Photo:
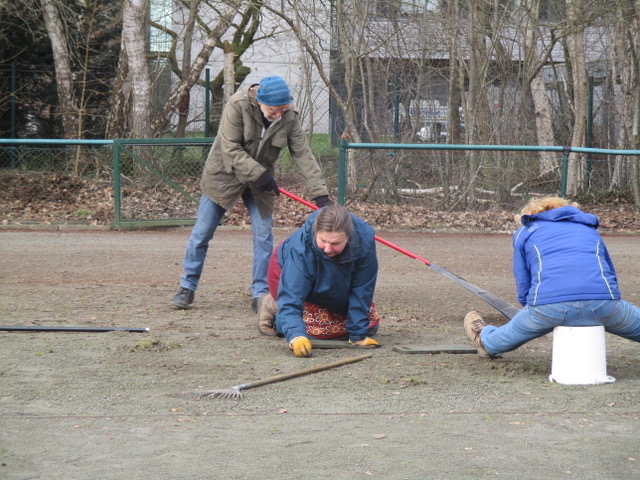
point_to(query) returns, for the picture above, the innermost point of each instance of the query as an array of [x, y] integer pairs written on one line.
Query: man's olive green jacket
[[244, 149]]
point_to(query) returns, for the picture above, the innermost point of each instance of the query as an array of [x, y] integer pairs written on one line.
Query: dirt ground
[[122, 405]]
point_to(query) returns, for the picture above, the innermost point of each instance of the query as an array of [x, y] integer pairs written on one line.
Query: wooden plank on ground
[[434, 349], [327, 344]]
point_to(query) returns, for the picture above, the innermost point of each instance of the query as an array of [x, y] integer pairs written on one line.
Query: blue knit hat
[[273, 91]]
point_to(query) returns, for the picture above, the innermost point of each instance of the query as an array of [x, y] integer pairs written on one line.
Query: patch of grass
[[153, 344], [84, 212], [321, 148]]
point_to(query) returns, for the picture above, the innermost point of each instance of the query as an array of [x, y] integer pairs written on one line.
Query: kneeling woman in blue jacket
[[322, 278], [564, 276]]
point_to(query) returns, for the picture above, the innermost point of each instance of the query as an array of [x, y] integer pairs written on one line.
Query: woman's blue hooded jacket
[[344, 284], [558, 256]]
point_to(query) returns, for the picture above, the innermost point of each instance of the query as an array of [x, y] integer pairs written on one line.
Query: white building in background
[[280, 55], [423, 35]]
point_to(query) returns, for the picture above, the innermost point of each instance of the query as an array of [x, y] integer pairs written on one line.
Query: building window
[[402, 8], [549, 10], [160, 13], [552, 10]]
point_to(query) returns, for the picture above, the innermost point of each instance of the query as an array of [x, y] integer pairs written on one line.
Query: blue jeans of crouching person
[[618, 317]]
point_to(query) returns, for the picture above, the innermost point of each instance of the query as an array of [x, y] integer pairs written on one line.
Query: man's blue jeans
[[209, 217], [617, 316]]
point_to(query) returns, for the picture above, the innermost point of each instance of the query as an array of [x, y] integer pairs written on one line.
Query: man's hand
[[301, 346], [323, 201], [366, 342], [266, 182]]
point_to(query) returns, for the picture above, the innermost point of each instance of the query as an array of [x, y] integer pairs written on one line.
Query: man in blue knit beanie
[[273, 92], [257, 122]]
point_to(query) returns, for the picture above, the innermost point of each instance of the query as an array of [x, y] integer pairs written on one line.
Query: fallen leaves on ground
[[67, 199]]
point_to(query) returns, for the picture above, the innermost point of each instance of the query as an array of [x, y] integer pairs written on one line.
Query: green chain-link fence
[[156, 182], [445, 177], [84, 158]]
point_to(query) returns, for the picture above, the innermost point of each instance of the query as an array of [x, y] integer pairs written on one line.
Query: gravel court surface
[[123, 405]]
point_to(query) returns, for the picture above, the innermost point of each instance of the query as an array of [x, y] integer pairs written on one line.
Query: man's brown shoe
[[267, 310], [473, 325]]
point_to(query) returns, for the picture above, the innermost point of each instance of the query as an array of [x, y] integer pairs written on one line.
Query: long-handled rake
[[504, 307], [235, 391]]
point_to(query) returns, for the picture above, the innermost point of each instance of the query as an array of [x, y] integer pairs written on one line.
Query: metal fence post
[[116, 183], [207, 104], [589, 139], [13, 152], [565, 171], [342, 171]]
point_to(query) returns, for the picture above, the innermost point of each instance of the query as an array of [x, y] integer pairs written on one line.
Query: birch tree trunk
[[133, 33], [67, 102]]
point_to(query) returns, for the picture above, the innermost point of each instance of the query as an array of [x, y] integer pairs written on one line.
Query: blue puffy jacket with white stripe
[[559, 256], [345, 284]]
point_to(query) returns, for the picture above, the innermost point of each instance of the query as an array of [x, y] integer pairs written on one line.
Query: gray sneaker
[[473, 325], [183, 298]]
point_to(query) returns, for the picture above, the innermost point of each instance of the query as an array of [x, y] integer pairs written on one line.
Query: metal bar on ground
[[18, 328]]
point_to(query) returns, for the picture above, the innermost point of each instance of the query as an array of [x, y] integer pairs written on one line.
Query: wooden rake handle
[[287, 376]]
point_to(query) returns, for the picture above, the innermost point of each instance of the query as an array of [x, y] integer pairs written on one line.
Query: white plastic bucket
[[579, 356]]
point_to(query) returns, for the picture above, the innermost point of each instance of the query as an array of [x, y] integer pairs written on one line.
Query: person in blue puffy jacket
[[321, 283], [564, 276]]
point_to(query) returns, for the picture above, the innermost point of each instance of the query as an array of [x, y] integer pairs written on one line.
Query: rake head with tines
[[234, 393]]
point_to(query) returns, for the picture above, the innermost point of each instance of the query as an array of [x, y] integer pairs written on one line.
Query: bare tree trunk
[[183, 106], [575, 45], [456, 78], [479, 60], [307, 82], [120, 95], [133, 28], [350, 39], [635, 175], [229, 72], [368, 86], [477, 116], [185, 84], [541, 102], [67, 101], [635, 169], [624, 68]]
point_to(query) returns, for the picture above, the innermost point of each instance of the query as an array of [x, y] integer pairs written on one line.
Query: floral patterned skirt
[[322, 323]]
